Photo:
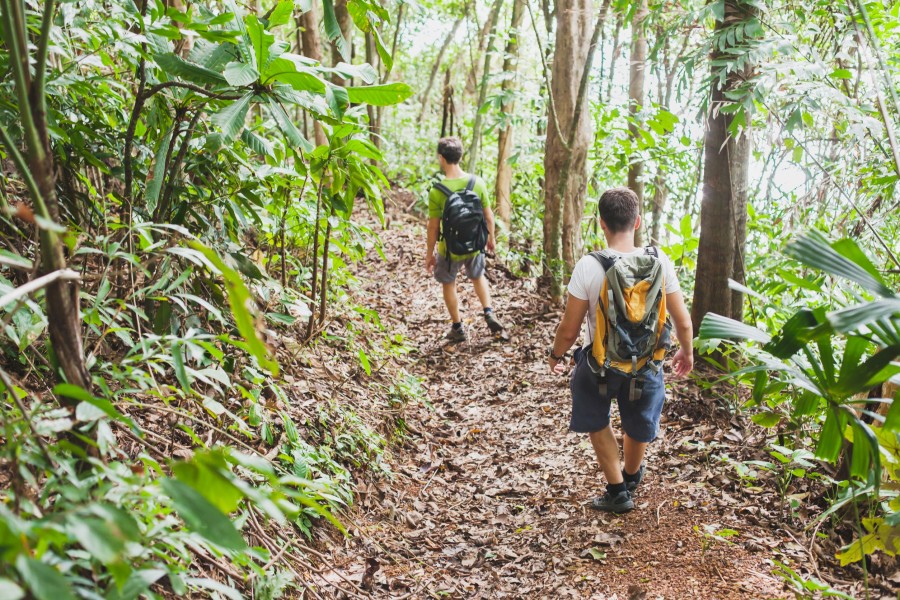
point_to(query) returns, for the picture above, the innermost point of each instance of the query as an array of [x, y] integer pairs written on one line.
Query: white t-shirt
[[588, 276]]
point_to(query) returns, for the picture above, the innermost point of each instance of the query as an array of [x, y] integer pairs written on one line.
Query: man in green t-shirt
[[449, 153]]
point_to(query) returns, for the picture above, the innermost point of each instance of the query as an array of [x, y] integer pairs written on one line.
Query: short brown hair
[[619, 208], [451, 149]]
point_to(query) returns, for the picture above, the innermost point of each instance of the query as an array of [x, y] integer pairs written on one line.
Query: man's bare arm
[[569, 328], [683, 361]]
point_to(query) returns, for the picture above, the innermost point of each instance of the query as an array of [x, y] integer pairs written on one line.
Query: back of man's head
[[451, 149], [619, 208]]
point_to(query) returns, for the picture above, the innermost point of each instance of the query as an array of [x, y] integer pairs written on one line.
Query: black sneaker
[[456, 334], [493, 324], [630, 485], [614, 503]]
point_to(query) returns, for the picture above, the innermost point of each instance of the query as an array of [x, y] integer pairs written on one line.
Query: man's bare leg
[[634, 453], [607, 450], [451, 300], [483, 291]]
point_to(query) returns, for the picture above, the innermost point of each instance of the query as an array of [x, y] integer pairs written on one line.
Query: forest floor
[[490, 492]]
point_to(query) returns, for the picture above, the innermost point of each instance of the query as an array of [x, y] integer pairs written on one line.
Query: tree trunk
[[566, 150], [379, 110], [473, 77], [723, 213], [482, 90], [437, 66], [617, 49], [37, 170], [636, 102], [312, 48], [370, 110], [505, 134]]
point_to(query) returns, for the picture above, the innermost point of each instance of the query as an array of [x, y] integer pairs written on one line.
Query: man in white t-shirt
[[619, 210]]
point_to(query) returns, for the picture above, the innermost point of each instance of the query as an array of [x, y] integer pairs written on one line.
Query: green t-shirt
[[437, 200]]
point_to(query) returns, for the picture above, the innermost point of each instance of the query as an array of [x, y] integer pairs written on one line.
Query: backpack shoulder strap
[[652, 251], [471, 185], [443, 189], [606, 261]]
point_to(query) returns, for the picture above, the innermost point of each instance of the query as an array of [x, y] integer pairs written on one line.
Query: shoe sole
[[614, 509]]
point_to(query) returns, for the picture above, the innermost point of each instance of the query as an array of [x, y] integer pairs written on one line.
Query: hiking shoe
[[630, 485], [456, 335], [493, 324], [614, 503]]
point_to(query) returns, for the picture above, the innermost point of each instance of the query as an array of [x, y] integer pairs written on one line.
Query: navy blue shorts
[[590, 408]]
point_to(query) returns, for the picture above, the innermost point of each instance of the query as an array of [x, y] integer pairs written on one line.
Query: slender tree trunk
[[636, 101], [379, 110], [37, 170], [473, 77], [370, 110], [566, 151], [436, 67], [723, 213], [312, 48], [474, 147], [617, 49], [505, 134]]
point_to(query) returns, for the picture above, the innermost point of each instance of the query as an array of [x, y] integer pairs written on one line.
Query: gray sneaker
[[614, 503], [631, 485], [456, 335], [493, 324]]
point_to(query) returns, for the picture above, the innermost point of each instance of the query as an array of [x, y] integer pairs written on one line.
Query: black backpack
[[463, 226]]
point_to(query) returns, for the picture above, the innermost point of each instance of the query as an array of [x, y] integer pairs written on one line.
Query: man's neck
[[621, 242], [453, 172]]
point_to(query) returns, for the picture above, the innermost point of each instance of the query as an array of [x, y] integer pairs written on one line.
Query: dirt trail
[[491, 493]]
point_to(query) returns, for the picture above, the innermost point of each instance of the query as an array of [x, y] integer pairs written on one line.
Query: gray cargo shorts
[[445, 270]]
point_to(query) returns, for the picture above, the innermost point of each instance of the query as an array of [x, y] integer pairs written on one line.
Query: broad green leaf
[[208, 474], [333, 30], [364, 148], [240, 74], [204, 583], [9, 590], [813, 250], [259, 145], [181, 373], [45, 582], [794, 335], [138, 583], [202, 517], [282, 14], [717, 327], [386, 58], [830, 437], [70, 390], [892, 419], [364, 71], [154, 186], [336, 97], [298, 77], [96, 537], [260, 39], [245, 46], [175, 66], [232, 118], [380, 95], [290, 131], [767, 419], [874, 370], [855, 317], [243, 308]]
